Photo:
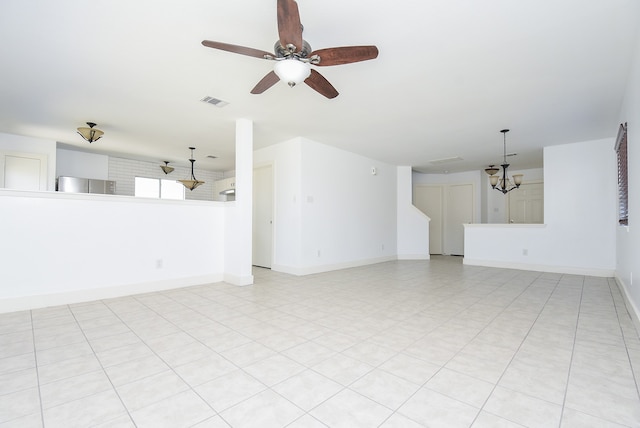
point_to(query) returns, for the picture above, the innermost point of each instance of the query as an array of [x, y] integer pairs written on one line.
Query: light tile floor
[[398, 344]]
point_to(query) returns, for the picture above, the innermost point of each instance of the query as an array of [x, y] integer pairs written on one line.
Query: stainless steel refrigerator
[[86, 185]]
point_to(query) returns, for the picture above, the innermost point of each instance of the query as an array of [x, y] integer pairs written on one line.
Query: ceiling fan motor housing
[[283, 52]]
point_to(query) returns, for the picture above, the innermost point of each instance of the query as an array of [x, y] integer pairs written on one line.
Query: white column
[[239, 227]]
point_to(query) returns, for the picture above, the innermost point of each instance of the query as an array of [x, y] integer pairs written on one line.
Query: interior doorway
[[449, 206], [263, 216]]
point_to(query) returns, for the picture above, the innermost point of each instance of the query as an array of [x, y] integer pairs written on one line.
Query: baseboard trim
[[22, 303], [301, 271], [414, 257], [632, 309], [238, 279], [569, 270]]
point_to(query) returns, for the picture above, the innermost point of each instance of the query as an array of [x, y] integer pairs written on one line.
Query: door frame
[[273, 211]]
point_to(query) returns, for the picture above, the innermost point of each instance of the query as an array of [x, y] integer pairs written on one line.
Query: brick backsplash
[[124, 171]]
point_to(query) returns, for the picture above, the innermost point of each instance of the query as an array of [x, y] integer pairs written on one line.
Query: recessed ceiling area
[[449, 75]]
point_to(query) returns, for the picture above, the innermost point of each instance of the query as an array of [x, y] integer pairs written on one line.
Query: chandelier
[[503, 184], [193, 182]]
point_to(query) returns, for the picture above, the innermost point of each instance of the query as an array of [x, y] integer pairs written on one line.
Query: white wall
[[413, 224], [580, 218], [19, 144], [330, 210], [628, 238], [60, 248], [348, 213]]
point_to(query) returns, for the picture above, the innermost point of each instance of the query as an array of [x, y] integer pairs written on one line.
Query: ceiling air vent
[[214, 101], [445, 160]]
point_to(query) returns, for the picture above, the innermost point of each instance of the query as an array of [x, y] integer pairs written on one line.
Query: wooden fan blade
[[318, 83], [345, 55], [267, 81], [257, 53], [289, 26]]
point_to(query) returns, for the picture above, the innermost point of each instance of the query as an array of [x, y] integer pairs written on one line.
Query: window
[[158, 188], [623, 176]]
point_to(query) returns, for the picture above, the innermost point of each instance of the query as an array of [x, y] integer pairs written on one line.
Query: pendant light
[[503, 184], [193, 182], [166, 168], [90, 134]]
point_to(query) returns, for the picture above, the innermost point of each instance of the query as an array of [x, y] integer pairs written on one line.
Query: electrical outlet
[[525, 252], [159, 264], [318, 253]]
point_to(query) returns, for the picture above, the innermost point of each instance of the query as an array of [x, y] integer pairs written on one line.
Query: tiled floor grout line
[[424, 384], [306, 412], [492, 324], [622, 334], [35, 359], [163, 360], [573, 350], [73, 314], [519, 346]]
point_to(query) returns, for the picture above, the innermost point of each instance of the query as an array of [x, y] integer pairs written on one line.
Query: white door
[[429, 200], [262, 216], [459, 211], [23, 171], [526, 204]]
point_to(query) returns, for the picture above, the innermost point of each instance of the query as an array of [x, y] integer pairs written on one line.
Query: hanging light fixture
[[166, 168], [292, 71], [503, 184], [193, 182], [90, 134]]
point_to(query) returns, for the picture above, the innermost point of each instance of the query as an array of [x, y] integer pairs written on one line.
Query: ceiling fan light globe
[[292, 71]]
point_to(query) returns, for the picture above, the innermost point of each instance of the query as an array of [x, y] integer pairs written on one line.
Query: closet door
[[459, 212], [526, 204], [23, 171]]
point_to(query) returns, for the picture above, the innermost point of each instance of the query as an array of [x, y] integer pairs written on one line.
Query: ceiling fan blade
[[318, 83], [289, 26], [257, 53], [345, 55], [267, 81]]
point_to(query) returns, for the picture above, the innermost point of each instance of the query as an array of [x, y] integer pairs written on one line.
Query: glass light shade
[[191, 184], [292, 71], [517, 179], [166, 168], [493, 180], [90, 133], [491, 170]]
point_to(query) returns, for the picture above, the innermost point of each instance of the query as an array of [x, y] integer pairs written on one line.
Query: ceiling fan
[[293, 55]]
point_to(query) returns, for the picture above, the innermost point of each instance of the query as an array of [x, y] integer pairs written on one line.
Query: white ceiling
[[449, 76]]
